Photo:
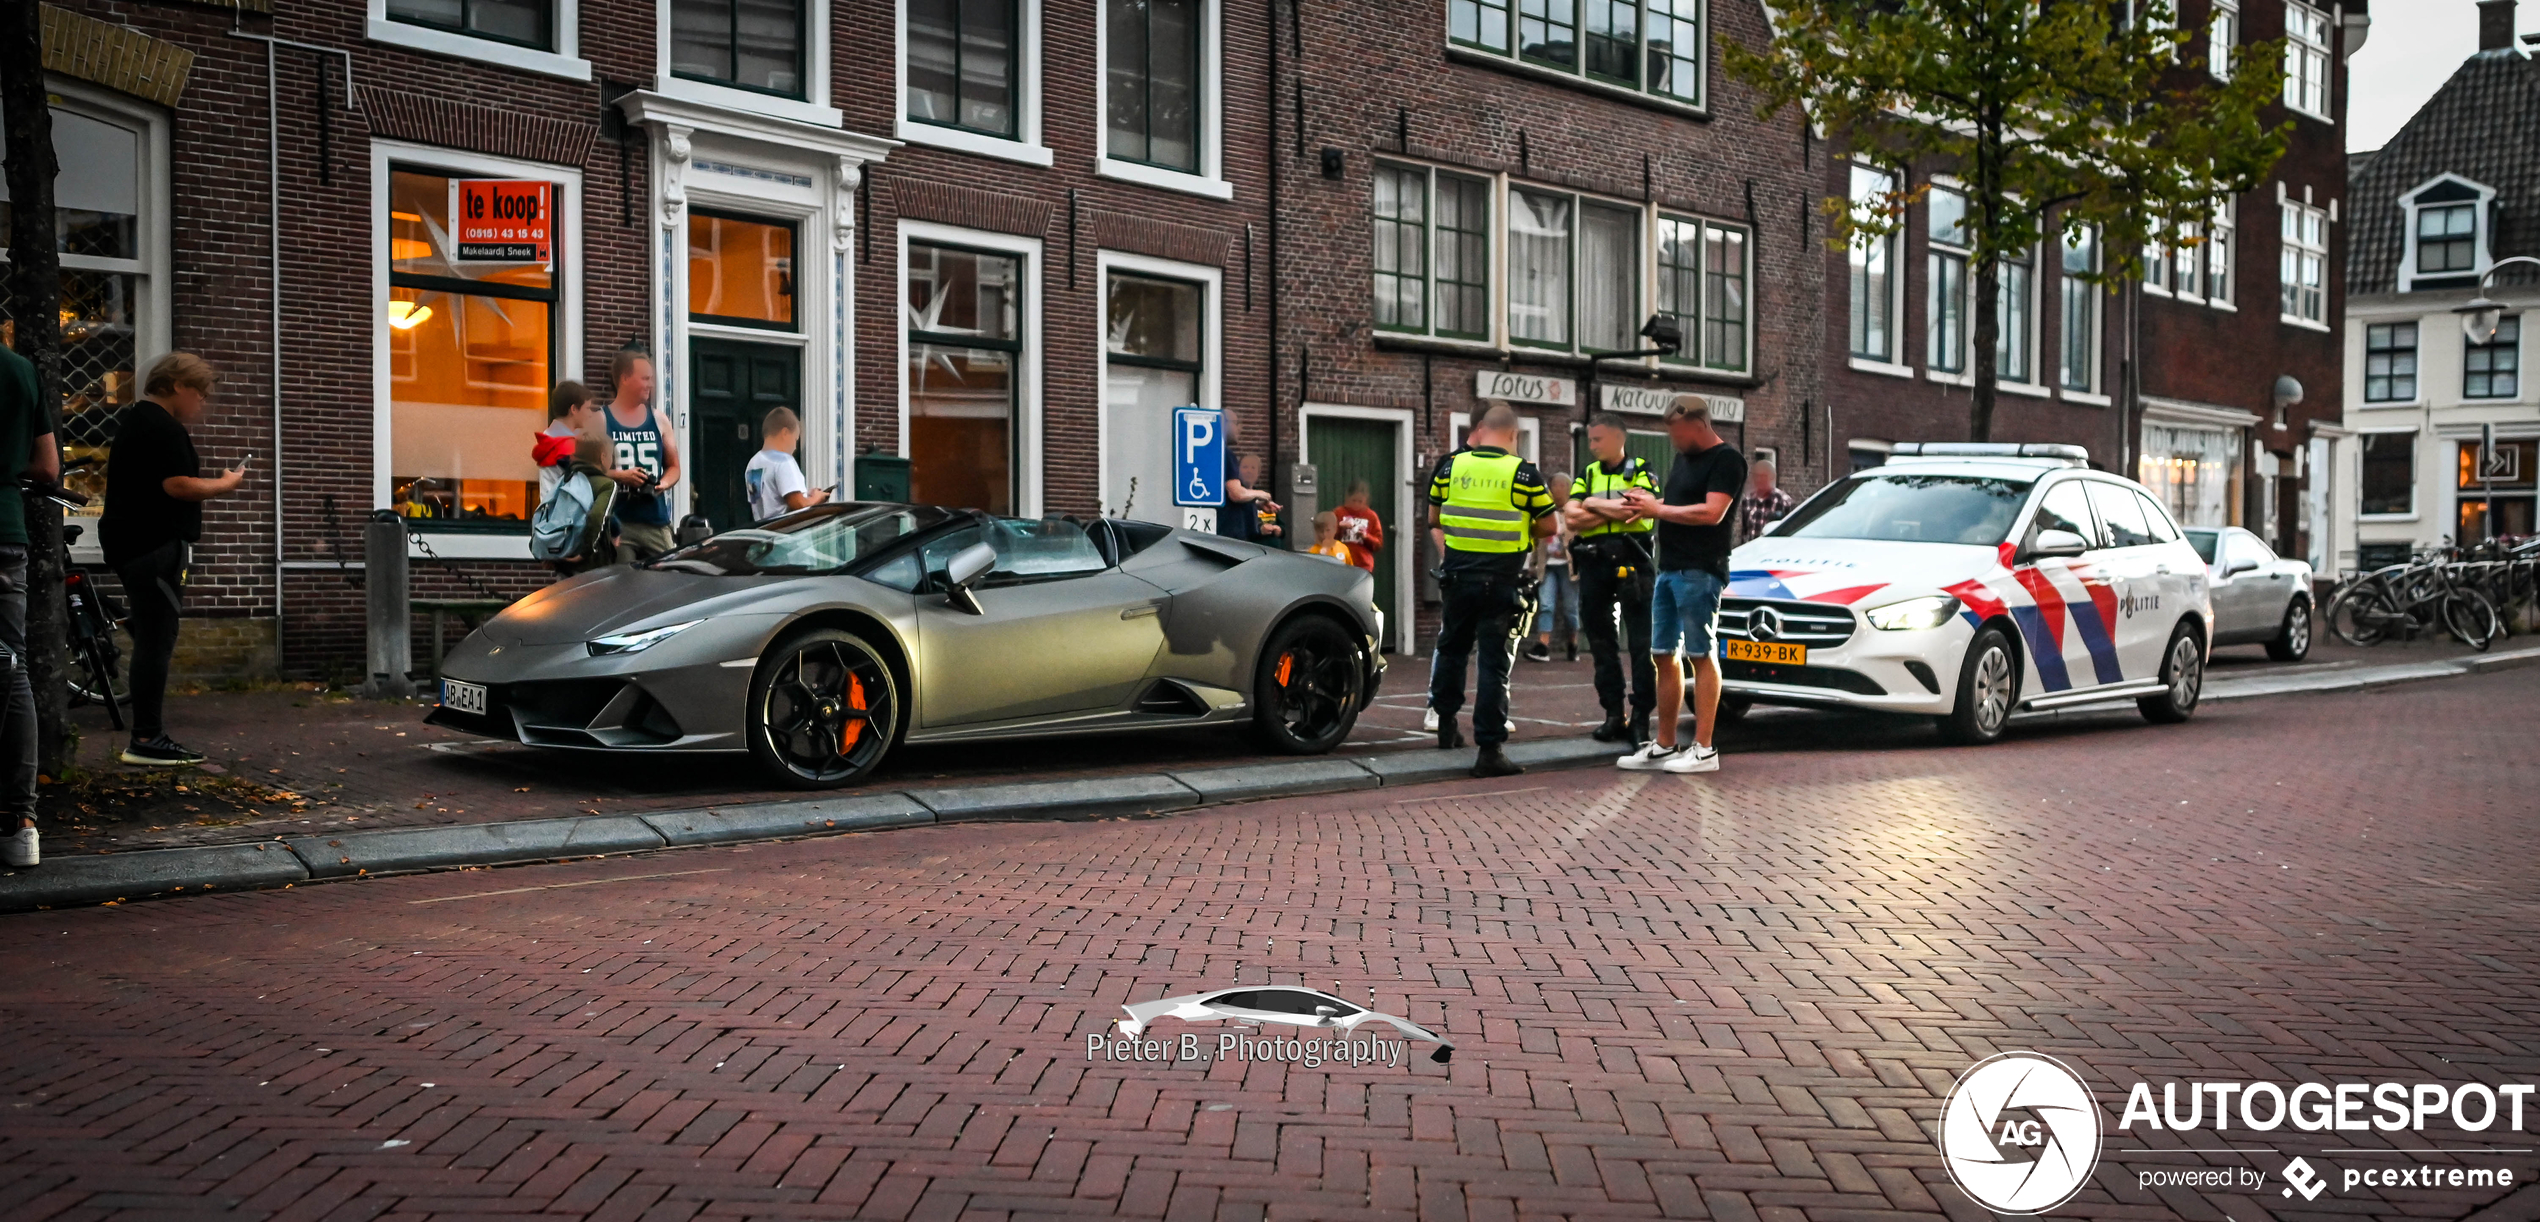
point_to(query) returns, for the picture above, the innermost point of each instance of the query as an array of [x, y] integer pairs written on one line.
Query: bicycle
[[2428, 592], [91, 615]]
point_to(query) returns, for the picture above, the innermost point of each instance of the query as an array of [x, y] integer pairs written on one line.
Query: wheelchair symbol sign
[[1199, 456]]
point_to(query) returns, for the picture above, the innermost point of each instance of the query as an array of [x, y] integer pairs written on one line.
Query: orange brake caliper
[[855, 700]]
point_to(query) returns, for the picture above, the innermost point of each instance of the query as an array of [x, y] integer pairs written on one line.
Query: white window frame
[[2293, 254], [1028, 434], [1026, 146], [2036, 381], [2307, 63], [1934, 249], [2482, 210], [2224, 227], [154, 271], [1577, 75], [1897, 365], [2222, 39], [1212, 341], [1210, 181], [813, 107], [568, 320], [565, 61], [2065, 286], [2416, 471]]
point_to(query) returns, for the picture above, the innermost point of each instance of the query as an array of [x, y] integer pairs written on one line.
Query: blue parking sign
[[1199, 456]]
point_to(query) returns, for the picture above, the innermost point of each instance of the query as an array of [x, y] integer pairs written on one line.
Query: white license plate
[[463, 697]]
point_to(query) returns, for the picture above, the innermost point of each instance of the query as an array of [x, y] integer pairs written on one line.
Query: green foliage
[[2070, 113]]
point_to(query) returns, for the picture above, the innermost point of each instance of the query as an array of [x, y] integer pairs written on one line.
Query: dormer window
[[2446, 234]]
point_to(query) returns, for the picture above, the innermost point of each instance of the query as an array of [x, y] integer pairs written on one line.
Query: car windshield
[[2204, 542], [1911, 507], [823, 540]]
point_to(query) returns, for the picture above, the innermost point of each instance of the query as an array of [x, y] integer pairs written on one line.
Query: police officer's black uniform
[[1488, 501], [1614, 568]]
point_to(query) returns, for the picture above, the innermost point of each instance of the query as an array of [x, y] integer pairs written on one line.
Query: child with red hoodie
[[570, 415]]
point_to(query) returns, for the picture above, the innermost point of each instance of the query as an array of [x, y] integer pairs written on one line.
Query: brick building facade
[[2233, 336]]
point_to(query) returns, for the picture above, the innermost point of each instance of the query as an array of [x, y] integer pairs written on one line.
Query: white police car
[[1968, 581]]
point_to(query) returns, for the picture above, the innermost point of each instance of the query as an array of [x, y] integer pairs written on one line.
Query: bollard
[[391, 617]]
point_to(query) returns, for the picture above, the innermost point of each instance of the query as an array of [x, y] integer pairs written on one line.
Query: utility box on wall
[[881, 477]]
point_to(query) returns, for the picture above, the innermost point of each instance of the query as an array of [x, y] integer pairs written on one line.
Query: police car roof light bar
[[2072, 454]]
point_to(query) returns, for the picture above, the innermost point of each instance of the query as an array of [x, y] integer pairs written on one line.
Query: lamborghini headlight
[[1913, 614], [637, 642]]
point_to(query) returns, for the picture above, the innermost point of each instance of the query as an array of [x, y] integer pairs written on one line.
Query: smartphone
[[251, 457]]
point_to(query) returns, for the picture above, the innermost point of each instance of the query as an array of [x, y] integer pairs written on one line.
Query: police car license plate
[[1765, 651], [463, 697]]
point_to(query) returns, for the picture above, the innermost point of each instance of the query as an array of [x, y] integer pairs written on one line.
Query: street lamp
[[2480, 315]]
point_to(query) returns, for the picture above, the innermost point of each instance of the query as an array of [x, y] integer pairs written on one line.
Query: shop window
[[1152, 82], [1872, 257], [2493, 370], [2193, 472], [2504, 485], [471, 344], [2389, 484], [746, 44], [526, 23], [962, 69], [1155, 354], [105, 174], [740, 271], [965, 351], [2390, 362]]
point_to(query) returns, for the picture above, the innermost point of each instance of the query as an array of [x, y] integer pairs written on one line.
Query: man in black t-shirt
[[155, 491], [1695, 520]]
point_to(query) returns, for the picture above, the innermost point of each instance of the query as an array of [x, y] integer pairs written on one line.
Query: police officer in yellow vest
[[1490, 506], [1611, 561]]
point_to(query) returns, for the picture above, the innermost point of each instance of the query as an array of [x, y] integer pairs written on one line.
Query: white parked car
[[1968, 581], [2259, 597]]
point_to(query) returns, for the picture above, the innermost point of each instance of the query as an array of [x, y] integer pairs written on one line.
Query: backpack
[[556, 530]]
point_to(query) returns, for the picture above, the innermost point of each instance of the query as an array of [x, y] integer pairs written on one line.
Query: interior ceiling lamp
[[407, 315]]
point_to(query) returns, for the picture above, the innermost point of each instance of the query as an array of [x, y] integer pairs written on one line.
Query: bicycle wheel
[[2471, 619], [2360, 613], [100, 674]]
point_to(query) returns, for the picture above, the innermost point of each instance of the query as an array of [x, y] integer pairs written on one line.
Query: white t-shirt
[[772, 474]]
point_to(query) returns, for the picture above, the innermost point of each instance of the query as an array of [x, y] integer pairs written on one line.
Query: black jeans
[[1603, 589], [1485, 613], [17, 723], [154, 582]]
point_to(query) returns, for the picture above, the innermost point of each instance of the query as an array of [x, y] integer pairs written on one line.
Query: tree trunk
[[1988, 334], [35, 300]]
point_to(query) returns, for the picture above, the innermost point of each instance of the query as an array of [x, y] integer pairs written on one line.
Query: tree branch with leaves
[[2068, 116]]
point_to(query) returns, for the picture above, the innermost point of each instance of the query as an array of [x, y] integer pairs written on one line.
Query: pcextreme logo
[[2020, 1133]]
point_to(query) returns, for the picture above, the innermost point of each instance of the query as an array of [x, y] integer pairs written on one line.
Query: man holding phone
[[155, 489]]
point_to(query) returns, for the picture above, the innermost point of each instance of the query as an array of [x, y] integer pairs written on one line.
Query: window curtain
[[1609, 279], [1539, 268]]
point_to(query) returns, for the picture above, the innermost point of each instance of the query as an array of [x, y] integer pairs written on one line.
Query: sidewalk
[[298, 763]]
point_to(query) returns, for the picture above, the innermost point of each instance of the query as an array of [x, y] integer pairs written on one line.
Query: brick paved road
[[1738, 997]]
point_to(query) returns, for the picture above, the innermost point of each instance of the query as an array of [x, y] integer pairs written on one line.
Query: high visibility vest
[[1481, 513], [1610, 485]]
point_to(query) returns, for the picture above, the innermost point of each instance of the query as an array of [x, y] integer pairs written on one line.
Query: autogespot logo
[[2020, 1133]]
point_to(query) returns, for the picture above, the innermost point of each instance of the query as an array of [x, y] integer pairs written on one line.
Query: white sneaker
[[21, 850], [1650, 758], [1694, 759], [1429, 720]]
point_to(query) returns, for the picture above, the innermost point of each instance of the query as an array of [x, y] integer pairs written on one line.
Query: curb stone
[[105, 877]]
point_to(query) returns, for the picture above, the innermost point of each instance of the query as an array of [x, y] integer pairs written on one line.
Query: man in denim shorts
[[1695, 519]]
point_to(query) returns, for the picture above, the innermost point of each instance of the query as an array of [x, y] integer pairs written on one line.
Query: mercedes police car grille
[[1793, 623]]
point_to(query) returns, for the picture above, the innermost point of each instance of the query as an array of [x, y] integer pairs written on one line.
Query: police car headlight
[[1913, 614], [637, 642]]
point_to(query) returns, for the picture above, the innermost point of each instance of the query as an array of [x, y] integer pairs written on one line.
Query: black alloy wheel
[[1310, 686], [824, 709]]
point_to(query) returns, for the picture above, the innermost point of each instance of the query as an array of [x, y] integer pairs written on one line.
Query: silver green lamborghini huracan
[[819, 641]]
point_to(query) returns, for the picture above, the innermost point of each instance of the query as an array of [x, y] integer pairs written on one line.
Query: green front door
[[1653, 449], [731, 388], [1345, 451]]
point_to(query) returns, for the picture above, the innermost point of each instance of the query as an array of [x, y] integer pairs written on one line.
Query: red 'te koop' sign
[[502, 220]]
